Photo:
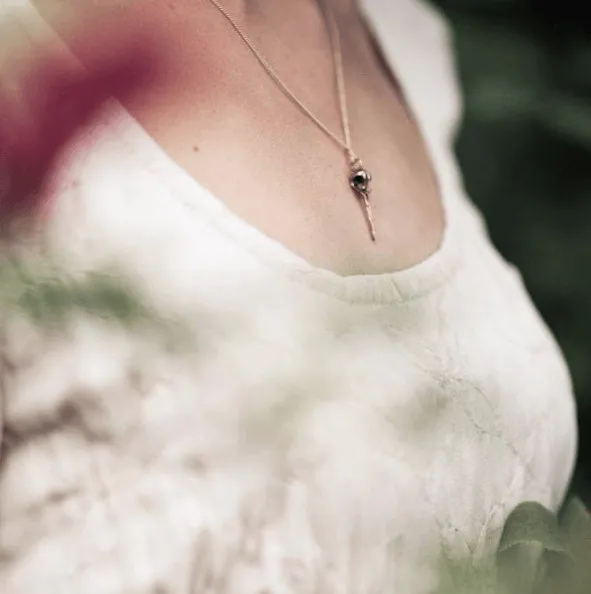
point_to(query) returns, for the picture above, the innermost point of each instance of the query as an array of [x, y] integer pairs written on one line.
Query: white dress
[[322, 434]]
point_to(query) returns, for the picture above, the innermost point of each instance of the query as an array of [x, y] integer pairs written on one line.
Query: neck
[[259, 14], [195, 43]]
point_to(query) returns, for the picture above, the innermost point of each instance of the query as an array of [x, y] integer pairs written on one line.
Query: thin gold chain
[[338, 62]]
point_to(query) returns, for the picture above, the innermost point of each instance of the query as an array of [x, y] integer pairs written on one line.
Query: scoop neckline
[[379, 288]]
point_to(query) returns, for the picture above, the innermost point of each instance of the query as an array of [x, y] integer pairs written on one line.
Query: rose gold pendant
[[359, 181]]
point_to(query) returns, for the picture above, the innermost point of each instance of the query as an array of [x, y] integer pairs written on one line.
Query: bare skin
[[221, 117]]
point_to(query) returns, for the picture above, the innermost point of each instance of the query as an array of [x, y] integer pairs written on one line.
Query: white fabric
[[324, 434]]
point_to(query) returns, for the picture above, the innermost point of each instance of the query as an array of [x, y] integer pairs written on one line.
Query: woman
[[369, 390]]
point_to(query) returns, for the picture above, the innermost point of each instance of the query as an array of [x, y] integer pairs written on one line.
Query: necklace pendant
[[360, 182]]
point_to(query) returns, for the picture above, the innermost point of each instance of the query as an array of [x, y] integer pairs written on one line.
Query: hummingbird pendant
[[359, 181]]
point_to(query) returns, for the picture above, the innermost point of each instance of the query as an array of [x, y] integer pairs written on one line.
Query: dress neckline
[[381, 288]]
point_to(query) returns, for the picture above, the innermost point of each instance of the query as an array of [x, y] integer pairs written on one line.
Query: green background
[[525, 152]]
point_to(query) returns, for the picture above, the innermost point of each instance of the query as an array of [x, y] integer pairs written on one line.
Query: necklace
[[359, 178]]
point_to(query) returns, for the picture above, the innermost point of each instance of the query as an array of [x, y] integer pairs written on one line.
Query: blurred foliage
[[539, 553], [39, 289], [525, 151]]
